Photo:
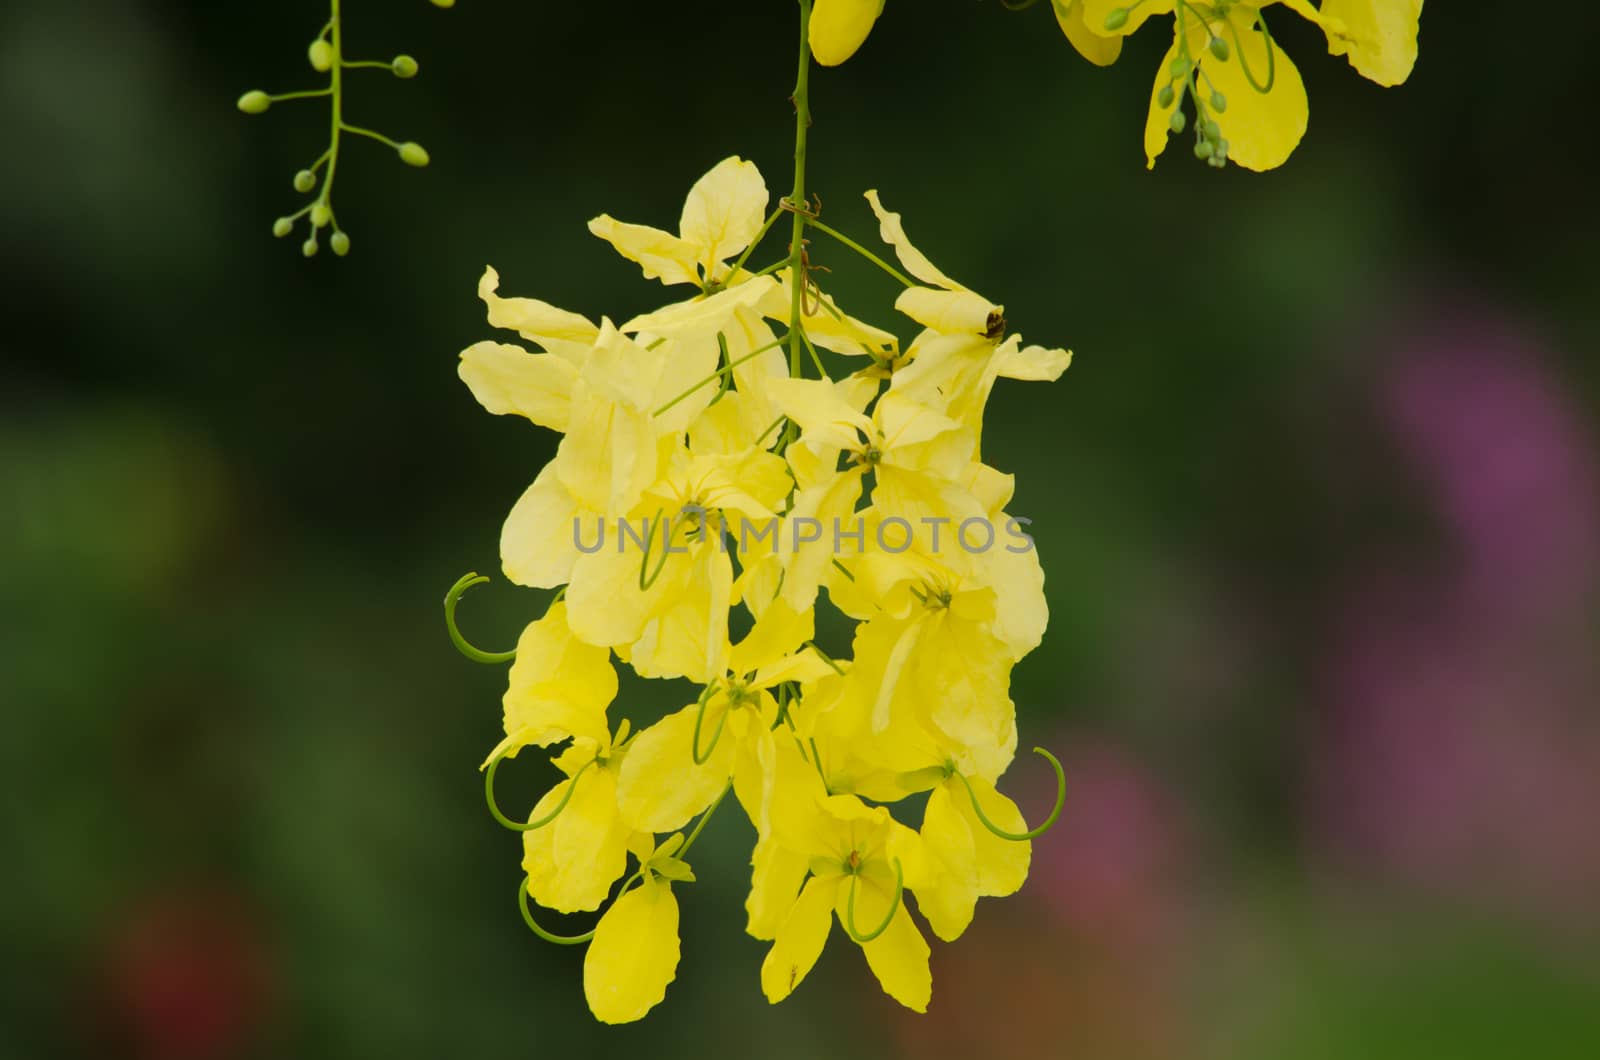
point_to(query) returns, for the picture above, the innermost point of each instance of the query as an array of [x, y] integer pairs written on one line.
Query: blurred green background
[[1318, 504]]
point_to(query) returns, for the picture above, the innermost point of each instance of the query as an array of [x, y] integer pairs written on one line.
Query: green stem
[[378, 136], [704, 817], [797, 197], [863, 251], [714, 376], [335, 89], [739, 264]]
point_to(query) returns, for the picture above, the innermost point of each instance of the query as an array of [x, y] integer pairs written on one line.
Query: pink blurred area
[[1459, 748]]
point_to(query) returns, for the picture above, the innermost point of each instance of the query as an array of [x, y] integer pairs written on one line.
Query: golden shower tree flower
[[1248, 99]]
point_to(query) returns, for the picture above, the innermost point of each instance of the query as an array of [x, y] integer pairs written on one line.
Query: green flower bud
[[339, 243], [282, 227], [321, 214], [404, 66], [1165, 96], [1203, 150], [1213, 131], [255, 102], [321, 55], [1217, 161], [1117, 18], [1179, 67], [412, 154], [443, 3], [304, 181], [1219, 48], [1222, 149], [1178, 121], [1219, 102], [309, 247]]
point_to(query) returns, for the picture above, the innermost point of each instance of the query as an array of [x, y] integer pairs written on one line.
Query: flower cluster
[[1248, 100], [675, 423], [326, 55]]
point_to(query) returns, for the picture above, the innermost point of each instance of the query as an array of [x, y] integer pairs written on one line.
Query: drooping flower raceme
[[716, 486], [704, 484]]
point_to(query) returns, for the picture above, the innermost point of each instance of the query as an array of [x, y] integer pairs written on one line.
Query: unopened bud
[[1219, 102], [255, 102], [1165, 96], [404, 66], [1219, 48], [1203, 150], [443, 3], [282, 227], [1117, 18], [1178, 121], [339, 243], [321, 214], [304, 181], [309, 247], [1213, 131], [1179, 67], [412, 154], [321, 55]]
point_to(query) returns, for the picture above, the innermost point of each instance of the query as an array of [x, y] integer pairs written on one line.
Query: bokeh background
[[1318, 502]]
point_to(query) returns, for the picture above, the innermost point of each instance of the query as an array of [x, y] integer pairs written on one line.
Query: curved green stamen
[[453, 597], [699, 719], [1055, 813], [894, 907], [494, 807], [527, 916]]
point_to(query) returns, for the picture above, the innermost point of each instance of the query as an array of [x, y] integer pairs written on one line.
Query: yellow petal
[[662, 255], [703, 315], [800, 940], [1379, 36], [633, 955], [957, 312], [893, 232], [1002, 864], [1157, 118], [774, 882], [661, 788], [509, 380], [1262, 129], [1033, 363], [566, 334], [898, 957], [948, 898], [559, 686], [838, 28], [536, 543], [1095, 47], [590, 847], [724, 211], [687, 632], [574, 872]]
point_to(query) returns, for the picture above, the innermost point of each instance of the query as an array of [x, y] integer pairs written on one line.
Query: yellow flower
[[838, 28], [721, 216], [634, 953], [859, 860], [1249, 100], [559, 687], [572, 861], [681, 764]]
